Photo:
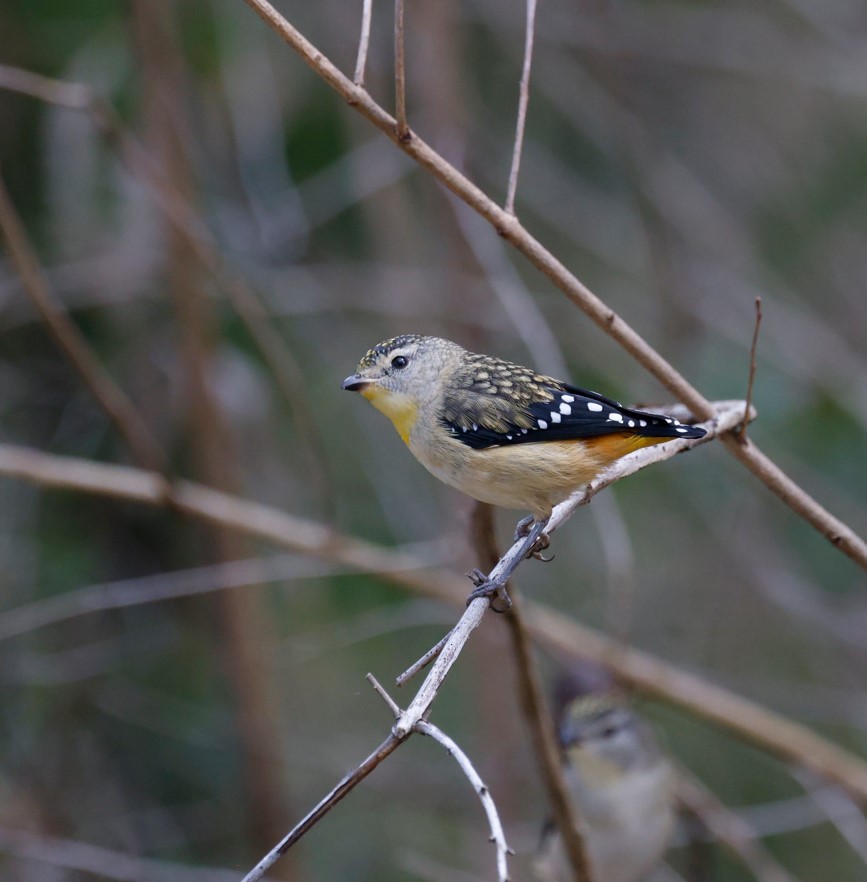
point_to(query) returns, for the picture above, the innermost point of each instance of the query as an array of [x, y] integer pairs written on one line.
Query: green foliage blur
[[681, 159]]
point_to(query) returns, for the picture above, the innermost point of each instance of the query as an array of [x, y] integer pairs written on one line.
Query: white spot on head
[[616, 417], [568, 398], [595, 406], [543, 424], [555, 417], [564, 408]]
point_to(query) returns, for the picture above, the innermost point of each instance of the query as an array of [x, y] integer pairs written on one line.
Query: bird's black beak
[[355, 383]]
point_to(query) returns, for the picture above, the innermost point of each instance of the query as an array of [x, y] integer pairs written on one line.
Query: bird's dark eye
[[399, 361]]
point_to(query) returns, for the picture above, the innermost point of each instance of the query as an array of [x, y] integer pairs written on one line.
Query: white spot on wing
[[565, 409], [542, 424], [642, 423], [680, 429], [632, 424], [475, 427], [616, 417], [595, 406], [555, 417], [569, 398]]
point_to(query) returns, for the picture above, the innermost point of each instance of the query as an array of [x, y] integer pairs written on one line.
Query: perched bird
[[623, 787], [500, 432]]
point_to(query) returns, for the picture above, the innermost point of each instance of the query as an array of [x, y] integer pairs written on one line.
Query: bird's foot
[[485, 587], [523, 529]]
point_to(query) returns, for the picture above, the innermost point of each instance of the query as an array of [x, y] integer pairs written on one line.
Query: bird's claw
[[485, 587], [523, 529]]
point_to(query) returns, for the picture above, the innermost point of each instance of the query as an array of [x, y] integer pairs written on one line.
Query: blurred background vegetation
[[682, 158]]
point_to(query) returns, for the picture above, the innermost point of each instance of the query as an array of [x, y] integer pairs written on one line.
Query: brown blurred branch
[[243, 629], [401, 127], [73, 343], [539, 720], [784, 738], [508, 226]]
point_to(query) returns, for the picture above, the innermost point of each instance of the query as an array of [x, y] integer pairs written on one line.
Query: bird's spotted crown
[[373, 355]]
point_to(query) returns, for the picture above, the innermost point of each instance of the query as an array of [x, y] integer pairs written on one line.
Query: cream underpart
[[400, 409], [532, 476]]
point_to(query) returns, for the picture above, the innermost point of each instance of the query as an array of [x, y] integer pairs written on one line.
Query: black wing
[[569, 413]]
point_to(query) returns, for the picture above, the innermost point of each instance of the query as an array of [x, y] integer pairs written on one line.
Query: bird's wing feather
[[547, 410]]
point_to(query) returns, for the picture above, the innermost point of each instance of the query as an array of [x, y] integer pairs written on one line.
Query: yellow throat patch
[[400, 409]]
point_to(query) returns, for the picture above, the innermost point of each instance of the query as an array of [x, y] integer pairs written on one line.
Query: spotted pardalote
[[498, 431], [623, 787]]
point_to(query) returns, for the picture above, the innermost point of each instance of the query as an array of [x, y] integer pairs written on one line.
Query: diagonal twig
[[363, 42], [743, 430], [523, 100], [346, 784]]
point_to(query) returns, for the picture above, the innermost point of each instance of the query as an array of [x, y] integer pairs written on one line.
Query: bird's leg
[[523, 529], [495, 583]]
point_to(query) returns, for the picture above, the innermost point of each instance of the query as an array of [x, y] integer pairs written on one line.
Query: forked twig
[[523, 100]]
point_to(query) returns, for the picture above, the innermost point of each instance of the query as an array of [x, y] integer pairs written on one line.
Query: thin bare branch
[[498, 836], [523, 100], [155, 589], [782, 737], [401, 127], [535, 709], [508, 226], [346, 784], [422, 663], [743, 430], [380, 690], [73, 343], [75, 96], [730, 830], [363, 42], [82, 857]]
